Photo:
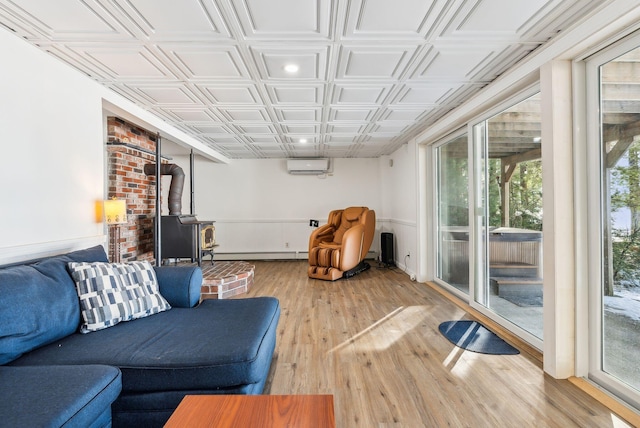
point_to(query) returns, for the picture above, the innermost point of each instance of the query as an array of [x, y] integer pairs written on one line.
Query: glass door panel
[[452, 205], [480, 248], [620, 202], [508, 176]]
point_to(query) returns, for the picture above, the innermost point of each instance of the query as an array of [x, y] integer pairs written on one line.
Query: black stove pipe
[[176, 186]]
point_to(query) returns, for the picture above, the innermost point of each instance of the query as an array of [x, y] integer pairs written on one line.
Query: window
[[488, 204], [452, 205], [614, 217], [508, 214]]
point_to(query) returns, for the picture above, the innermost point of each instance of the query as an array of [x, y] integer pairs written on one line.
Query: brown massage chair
[[338, 248]]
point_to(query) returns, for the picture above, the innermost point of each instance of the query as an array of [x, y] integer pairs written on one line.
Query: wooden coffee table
[[264, 411]]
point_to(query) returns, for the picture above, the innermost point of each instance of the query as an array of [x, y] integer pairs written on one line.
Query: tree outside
[[525, 195], [625, 220]]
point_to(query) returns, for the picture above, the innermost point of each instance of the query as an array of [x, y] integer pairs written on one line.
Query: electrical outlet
[[314, 223], [286, 245]]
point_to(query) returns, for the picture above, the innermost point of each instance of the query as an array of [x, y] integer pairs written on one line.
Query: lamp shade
[[115, 211]]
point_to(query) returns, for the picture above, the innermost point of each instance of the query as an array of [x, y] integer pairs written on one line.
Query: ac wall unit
[[307, 166]]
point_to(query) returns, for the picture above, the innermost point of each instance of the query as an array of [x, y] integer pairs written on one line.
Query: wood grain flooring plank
[[373, 342]]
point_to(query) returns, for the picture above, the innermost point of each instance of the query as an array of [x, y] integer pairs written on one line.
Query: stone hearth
[[226, 279]]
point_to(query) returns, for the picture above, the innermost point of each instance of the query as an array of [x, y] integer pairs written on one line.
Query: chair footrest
[[361, 267]]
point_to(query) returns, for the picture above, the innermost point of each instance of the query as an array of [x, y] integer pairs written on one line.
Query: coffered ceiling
[[371, 73]]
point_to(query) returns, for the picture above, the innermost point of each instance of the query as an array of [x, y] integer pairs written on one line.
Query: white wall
[[52, 171], [259, 207], [398, 188]]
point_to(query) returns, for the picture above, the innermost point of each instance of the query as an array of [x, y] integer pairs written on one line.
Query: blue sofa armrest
[[180, 285]]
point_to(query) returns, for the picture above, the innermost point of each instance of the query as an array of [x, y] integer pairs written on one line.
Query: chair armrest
[[180, 285], [322, 234], [350, 254]]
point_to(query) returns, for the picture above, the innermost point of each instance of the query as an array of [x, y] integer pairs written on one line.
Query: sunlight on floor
[[385, 332], [460, 361], [617, 422], [451, 362]]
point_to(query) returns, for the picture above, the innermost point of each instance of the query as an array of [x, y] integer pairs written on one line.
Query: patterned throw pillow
[[114, 292]]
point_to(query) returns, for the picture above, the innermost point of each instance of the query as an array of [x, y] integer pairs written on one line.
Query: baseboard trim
[[293, 255], [614, 404], [272, 255]]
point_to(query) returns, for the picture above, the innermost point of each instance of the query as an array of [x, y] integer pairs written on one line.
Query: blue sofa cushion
[[185, 349], [114, 292], [39, 303], [180, 285], [50, 396]]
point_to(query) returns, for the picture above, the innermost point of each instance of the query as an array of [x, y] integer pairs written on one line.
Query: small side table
[[264, 411]]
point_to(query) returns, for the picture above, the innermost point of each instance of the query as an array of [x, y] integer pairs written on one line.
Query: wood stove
[[181, 236], [186, 237]]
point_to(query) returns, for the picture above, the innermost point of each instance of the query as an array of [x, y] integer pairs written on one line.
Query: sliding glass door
[[452, 212], [613, 84], [508, 214], [488, 210]]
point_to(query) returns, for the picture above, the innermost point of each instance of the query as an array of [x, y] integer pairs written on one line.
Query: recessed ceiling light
[[291, 68], [302, 140]]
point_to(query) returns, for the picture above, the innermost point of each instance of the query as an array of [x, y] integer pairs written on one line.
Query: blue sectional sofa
[[133, 373]]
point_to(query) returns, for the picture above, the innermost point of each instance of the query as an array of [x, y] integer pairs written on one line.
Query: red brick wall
[[127, 180]]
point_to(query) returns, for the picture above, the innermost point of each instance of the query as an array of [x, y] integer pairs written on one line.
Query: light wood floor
[[373, 342]]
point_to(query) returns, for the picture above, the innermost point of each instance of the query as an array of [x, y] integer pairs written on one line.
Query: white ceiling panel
[[345, 129], [226, 141], [424, 94], [398, 18], [377, 140], [352, 114], [365, 62], [256, 129], [371, 74], [410, 115], [307, 142], [233, 94], [288, 115], [311, 61], [390, 127], [296, 94], [307, 151], [124, 63], [360, 94], [169, 19], [208, 62], [339, 139], [263, 140], [65, 19], [302, 129], [454, 63], [163, 95], [212, 130], [298, 19], [513, 15], [193, 115], [245, 115]]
